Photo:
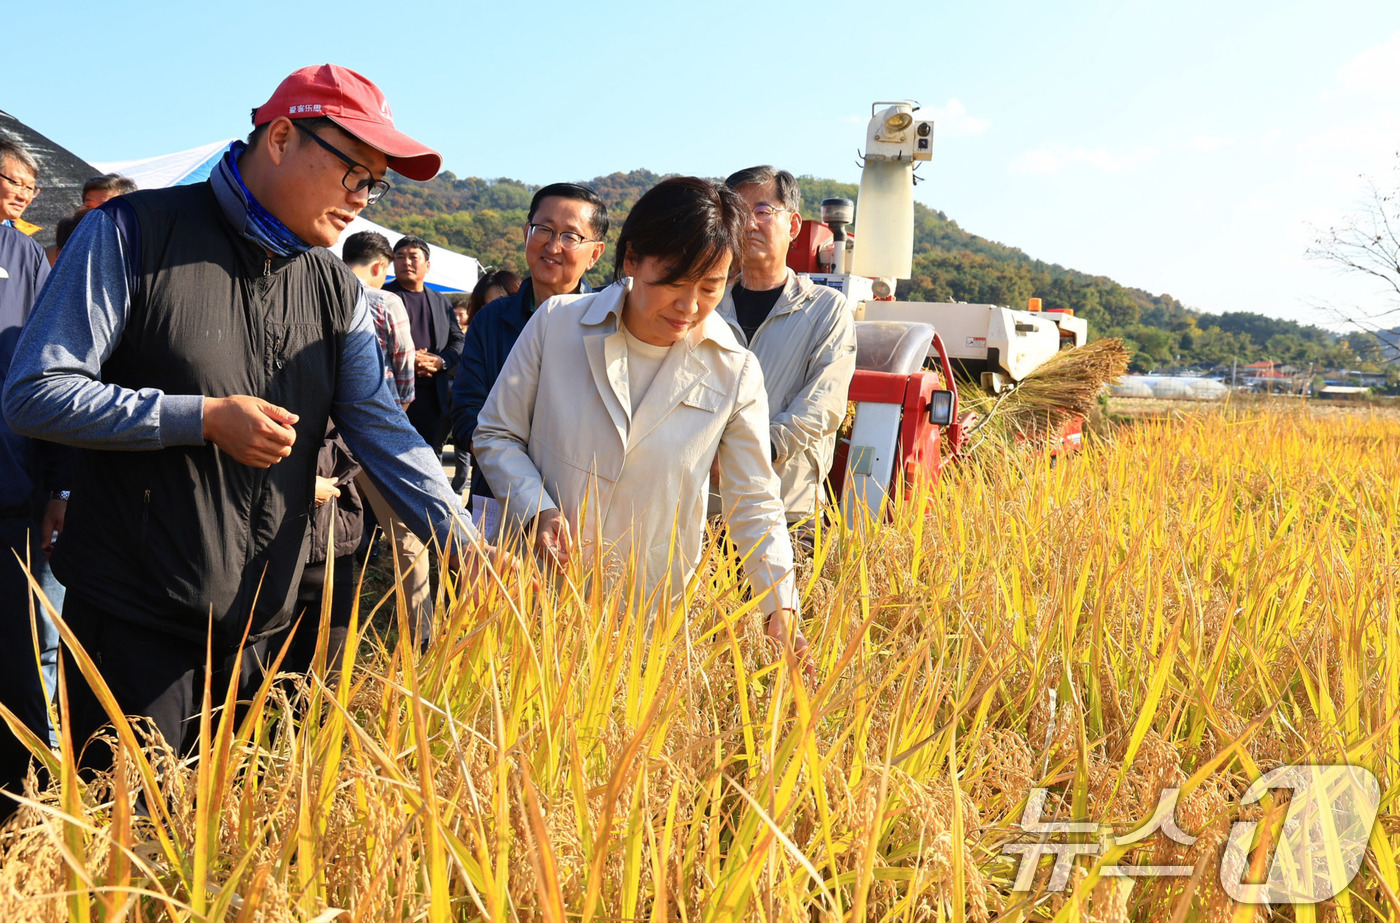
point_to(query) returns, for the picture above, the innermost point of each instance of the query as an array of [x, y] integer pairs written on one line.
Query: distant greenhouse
[[1131, 386], [1170, 388]]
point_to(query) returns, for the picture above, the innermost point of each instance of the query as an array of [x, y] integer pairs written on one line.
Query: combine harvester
[[907, 424]]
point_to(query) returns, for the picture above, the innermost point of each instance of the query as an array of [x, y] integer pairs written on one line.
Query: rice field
[[1189, 603]]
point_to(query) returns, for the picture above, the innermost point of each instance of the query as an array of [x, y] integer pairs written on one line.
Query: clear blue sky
[[1188, 147]]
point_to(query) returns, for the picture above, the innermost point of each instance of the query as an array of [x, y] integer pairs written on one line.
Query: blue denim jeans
[[48, 634]]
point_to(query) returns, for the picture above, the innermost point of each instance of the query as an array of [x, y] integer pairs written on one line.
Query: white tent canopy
[[448, 270], [178, 169]]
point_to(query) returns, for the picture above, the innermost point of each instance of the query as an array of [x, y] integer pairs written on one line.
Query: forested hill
[[484, 218]]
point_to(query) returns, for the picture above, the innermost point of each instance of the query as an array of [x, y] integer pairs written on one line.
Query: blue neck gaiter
[[257, 223]]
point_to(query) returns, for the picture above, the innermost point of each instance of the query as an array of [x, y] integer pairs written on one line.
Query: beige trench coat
[[557, 431], [807, 350]]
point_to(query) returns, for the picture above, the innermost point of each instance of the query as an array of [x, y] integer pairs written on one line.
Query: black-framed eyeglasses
[[567, 239], [32, 190], [358, 176]]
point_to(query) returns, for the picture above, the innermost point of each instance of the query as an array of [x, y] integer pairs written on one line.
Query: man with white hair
[[19, 183], [804, 337]]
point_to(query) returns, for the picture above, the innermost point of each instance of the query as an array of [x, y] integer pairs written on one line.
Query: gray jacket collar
[[798, 292]]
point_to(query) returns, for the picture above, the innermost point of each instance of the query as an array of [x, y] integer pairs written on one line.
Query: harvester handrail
[[946, 367]]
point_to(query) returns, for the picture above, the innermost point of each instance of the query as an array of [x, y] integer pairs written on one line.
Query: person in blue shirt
[[34, 481]]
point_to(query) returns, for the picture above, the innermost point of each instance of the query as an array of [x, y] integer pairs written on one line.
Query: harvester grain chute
[[908, 424]]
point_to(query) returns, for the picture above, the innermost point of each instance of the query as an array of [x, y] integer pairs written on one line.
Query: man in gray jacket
[[803, 335]]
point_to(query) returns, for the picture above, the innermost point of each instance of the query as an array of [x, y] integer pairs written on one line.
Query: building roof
[[61, 177]]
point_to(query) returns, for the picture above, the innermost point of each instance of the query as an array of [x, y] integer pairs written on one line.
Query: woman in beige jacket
[[599, 432]]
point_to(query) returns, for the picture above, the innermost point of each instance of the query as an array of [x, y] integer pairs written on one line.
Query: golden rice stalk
[[1207, 596]]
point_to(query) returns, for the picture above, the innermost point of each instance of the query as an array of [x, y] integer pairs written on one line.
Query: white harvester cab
[[907, 424]]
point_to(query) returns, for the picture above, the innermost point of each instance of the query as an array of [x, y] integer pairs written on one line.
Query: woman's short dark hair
[[504, 279], [687, 223]]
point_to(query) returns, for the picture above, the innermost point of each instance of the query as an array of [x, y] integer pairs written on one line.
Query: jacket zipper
[[259, 476]]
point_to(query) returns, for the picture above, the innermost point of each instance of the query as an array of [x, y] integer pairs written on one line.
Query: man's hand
[[427, 364], [52, 524], [553, 540], [784, 628], [325, 489], [249, 429]]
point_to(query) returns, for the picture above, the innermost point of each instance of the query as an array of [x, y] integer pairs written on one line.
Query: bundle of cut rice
[[1067, 385], [1073, 378]]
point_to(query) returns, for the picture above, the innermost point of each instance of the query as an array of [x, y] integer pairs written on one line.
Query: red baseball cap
[[356, 105]]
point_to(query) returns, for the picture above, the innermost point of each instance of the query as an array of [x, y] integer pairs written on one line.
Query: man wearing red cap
[[194, 341]]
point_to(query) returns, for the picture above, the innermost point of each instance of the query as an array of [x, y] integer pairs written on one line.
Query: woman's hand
[[474, 565], [553, 539], [784, 627], [325, 489]]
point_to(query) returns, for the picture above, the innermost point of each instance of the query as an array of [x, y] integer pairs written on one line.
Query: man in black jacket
[[436, 334], [194, 342]]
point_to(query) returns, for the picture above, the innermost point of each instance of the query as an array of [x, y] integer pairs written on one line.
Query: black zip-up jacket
[[169, 537], [347, 512]]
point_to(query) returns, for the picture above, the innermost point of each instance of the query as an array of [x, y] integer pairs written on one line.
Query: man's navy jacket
[[28, 467], [490, 337]]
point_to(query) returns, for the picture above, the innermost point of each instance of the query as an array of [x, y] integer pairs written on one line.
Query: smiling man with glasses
[[564, 233], [194, 342], [19, 183]]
